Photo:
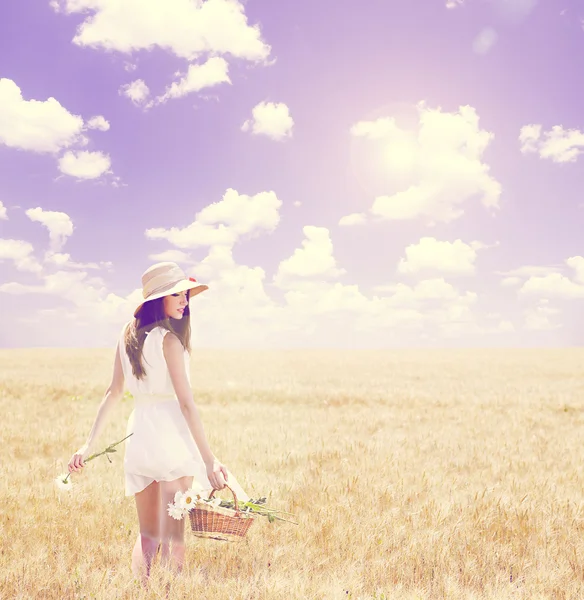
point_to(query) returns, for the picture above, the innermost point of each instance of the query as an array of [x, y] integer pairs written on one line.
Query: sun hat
[[165, 278]]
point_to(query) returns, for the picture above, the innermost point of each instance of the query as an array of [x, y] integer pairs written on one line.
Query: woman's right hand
[[217, 474], [77, 461]]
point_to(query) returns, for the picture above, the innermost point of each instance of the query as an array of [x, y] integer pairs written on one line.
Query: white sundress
[[162, 447]]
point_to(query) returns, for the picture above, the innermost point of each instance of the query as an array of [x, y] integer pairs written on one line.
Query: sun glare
[[402, 152]]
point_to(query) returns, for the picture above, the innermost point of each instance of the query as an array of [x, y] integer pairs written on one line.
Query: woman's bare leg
[[172, 530], [146, 546]]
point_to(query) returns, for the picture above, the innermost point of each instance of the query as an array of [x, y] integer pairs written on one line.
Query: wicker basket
[[218, 523]]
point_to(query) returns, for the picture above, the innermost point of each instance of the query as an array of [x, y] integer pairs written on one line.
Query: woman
[[168, 448]]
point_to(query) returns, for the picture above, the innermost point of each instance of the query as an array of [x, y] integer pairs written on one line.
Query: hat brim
[[182, 286]]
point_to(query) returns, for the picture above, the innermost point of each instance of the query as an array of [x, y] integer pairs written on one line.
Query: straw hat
[[165, 278]]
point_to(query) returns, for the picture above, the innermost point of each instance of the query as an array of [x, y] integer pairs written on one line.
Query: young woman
[[168, 448]]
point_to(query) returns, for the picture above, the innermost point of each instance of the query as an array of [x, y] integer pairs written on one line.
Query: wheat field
[[411, 474]]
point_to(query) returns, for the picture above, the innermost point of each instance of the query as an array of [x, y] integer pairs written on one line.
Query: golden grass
[[414, 474]]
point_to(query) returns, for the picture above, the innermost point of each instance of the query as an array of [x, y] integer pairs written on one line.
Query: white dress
[[162, 447]]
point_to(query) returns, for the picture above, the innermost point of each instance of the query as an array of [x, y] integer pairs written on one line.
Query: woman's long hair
[[152, 315]]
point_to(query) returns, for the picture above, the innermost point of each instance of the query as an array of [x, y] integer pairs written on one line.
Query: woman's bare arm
[[174, 356], [112, 396]]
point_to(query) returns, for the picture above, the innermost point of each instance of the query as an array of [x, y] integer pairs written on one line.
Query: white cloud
[[384, 127], [485, 40], [47, 127], [98, 122], [241, 283], [510, 281], [185, 28], [84, 165], [558, 144], [61, 283], [137, 91], [444, 163], [505, 326], [176, 256], [87, 297], [225, 222], [198, 77], [577, 264], [549, 282], [190, 30], [3, 213], [314, 259], [538, 318], [425, 290], [319, 298], [59, 225], [352, 219], [270, 119], [312, 305], [432, 303], [512, 10], [218, 261], [528, 136], [63, 260], [240, 289], [380, 316], [20, 253], [527, 271], [431, 254], [553, 285], [234, 290], [33, 125]]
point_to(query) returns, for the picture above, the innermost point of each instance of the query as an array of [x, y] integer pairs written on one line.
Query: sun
[[401, 152], [387, 155]]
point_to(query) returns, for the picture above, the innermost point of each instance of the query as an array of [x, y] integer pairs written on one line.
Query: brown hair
[[152, 315]]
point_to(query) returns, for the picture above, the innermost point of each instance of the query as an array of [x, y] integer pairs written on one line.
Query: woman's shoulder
[[161, 330], [167, 340], [170, 341]]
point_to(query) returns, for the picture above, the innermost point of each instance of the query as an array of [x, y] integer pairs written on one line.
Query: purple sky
[[397, 174]]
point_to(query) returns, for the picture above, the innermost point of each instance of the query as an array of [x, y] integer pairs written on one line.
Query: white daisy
[[175, 511], [62, 483], [178, 497], [188, 499]]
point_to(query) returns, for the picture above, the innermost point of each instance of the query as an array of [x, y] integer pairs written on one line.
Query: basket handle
[[234, 496]]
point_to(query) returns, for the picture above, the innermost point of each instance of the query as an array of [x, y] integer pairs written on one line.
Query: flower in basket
[[184, 501], [175, 511]]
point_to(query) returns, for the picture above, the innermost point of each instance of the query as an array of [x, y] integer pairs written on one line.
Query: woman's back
[[156, 380]]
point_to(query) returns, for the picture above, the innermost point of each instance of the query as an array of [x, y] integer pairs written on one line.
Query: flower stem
[[108, 449]]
